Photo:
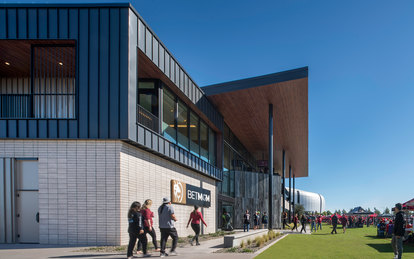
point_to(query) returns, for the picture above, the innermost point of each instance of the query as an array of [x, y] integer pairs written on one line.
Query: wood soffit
[[246, 112]]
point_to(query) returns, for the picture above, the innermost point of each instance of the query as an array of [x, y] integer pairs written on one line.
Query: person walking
[[398, 234], [295, 222], [147, 214], [166, 219], [334, 223], [344, 221], [313, 222], [303, 221], [246, 221], [284, 220], [256, 220], [136, 229], [319, 220], [195, 217], [265, 220]]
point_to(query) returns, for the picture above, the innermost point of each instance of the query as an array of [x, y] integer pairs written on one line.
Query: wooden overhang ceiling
[[244, 105], [15, 56]]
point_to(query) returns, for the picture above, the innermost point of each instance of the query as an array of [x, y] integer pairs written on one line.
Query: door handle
[[37, 217]]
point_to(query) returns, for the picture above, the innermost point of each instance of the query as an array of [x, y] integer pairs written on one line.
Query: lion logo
[[178, 191]]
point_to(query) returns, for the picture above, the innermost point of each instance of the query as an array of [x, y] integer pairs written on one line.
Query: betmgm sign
[[185, 194]]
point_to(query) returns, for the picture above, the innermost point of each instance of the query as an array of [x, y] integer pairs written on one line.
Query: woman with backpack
[[136, 229]]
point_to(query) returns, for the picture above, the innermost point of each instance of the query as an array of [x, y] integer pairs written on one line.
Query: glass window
[[141, 35], [226, 162], [225, 184], [194, 146], [231, 182], [182, 125], [168, 121], [203, 141], [212, 147], [148, 43], [148, 96]]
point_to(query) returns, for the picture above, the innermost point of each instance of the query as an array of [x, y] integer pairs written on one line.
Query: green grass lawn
[[355, 243]]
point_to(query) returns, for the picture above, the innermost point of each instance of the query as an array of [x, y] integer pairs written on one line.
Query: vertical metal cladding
[[164, 60], [101, 36]]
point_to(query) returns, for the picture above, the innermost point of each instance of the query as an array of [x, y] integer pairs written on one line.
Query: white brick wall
[[148, 176], [87, 186], [78, 201]]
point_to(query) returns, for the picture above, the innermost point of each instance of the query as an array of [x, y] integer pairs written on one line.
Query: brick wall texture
[[87, 186]]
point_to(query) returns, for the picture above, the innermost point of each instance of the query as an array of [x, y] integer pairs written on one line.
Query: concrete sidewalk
[[185, 251], [204, 251]]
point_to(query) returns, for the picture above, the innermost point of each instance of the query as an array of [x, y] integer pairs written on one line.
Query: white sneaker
[[173, 253]]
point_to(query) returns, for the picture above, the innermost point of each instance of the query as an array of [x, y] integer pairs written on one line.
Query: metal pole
[[290, 193], [283, 185], [270, 166], [293, 202]]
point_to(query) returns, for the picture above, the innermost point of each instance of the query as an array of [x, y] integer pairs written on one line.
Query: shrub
[[232, 250], [265, 238], [242, 244], [257, 239], [259, 242], [247, 250], [249, 241]]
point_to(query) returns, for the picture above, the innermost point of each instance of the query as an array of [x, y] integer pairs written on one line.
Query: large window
[[148, 96], [168, 118], [194, 136], [204, 141], [37, 81], [182, 125]]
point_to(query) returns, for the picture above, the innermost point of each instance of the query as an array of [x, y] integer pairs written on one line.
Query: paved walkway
[[204, 251]]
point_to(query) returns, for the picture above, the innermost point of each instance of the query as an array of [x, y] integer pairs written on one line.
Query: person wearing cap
[[166, 219], [397, 242]]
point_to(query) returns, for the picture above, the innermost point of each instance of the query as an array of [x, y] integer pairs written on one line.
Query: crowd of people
[[140, 219]]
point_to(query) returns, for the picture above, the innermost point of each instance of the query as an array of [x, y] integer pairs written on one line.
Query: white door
[[27, 203]]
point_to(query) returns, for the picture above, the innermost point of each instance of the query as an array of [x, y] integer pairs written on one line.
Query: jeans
[[165, 233], [313, 226], [319, 226], [246, 225], [334, 228], [196, 228], [397, 246], [133, 239], [295, 225]]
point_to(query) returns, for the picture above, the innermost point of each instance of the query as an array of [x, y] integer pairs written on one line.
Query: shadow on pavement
[[89, 256]]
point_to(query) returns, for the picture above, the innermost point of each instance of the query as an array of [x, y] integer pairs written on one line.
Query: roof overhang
[[244, 105]]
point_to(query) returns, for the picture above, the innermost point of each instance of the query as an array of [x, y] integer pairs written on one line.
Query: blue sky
[[361, 80]]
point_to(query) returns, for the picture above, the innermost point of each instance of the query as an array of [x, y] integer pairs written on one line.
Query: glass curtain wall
[[168, 118], [184, 127], [236, 158]]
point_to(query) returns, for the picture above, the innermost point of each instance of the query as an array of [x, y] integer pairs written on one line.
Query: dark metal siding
[[194, 93], [101, 35]]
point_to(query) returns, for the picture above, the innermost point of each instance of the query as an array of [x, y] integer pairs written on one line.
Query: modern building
[[312, 202], [95, 113]]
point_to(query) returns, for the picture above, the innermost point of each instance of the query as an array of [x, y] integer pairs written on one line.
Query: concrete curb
[[269, 245]]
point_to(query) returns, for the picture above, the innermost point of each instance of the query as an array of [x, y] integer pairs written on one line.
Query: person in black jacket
[[303, 221], [334, 223], [397, 237], [136, 229]]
